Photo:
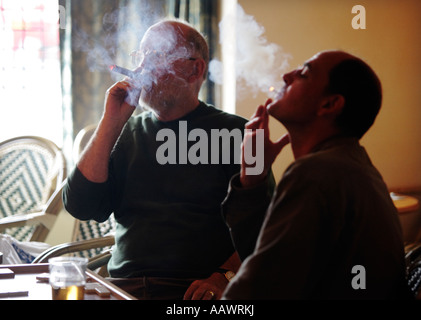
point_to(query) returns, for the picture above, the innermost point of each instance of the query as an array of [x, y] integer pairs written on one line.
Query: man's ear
[[332, 105], [198, 70]]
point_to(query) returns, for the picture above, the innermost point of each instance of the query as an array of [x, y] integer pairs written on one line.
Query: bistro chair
[[413, 268], [32, 172]]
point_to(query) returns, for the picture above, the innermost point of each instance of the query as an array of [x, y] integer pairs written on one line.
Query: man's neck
[[175, 112], [303, 142]]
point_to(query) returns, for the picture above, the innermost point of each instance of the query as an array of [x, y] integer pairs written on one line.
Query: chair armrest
[[28, 219], [99, 260], [46, 216], [71, 247]]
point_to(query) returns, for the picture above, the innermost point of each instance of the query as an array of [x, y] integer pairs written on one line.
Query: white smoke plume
[[259, 65], [121, 31]]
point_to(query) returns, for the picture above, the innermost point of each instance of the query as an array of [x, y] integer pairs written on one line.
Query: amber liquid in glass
[[68, 293]]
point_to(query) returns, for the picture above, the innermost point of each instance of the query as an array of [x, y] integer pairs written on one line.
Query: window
[[30, 81]]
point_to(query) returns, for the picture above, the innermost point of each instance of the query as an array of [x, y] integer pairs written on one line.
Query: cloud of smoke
[[120, 33], [259, 65]]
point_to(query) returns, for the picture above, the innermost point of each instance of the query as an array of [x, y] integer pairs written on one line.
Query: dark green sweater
[[169, 221]]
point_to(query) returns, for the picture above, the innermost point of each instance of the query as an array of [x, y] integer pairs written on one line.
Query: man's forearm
[[94, 161]]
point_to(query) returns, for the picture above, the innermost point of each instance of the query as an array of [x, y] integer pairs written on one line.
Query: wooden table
[[25, 286]]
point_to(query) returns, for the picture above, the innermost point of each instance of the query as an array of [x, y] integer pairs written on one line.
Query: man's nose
[[288, 77]]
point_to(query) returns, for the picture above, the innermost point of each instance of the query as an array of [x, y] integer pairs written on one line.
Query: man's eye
[[304, 71]]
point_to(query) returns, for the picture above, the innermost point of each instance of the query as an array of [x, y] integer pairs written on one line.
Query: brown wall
[[391, 44]]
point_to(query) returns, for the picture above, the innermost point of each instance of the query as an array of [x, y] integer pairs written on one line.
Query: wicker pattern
[[31, 168], [94, 230]]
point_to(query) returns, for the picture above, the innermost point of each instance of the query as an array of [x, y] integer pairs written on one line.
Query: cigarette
[[124, 71]]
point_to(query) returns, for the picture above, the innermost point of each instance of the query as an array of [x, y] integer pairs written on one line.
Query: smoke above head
[[102, 40], [259, 65]]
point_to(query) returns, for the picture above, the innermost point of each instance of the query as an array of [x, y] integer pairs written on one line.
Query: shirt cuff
[[82, 197]]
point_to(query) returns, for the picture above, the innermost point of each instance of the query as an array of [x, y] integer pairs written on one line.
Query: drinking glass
[[68, 277]]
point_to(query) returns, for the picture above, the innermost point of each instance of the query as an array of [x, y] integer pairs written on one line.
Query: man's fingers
[[191, 290], [201, 294], [209, 295], [257, 112], [261, 110], [253, 124]]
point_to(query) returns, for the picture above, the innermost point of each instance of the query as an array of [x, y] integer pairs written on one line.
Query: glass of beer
[[68, 278]]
